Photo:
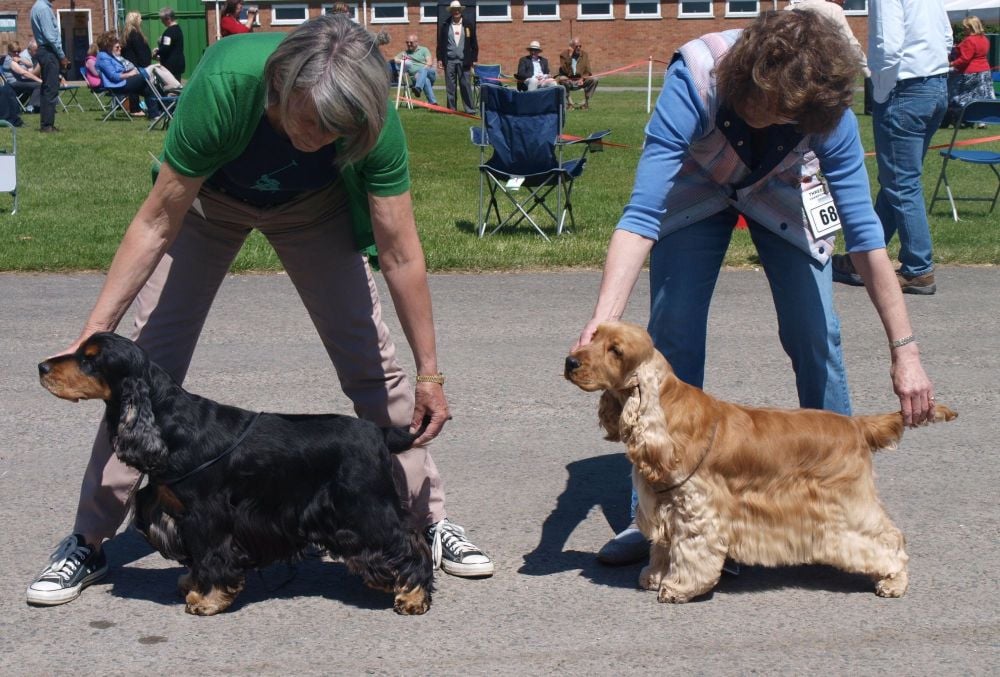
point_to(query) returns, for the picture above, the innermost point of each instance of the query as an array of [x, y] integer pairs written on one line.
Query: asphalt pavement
[[529, 475]]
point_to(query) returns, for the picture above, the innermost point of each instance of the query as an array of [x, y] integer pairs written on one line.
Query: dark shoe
[[72, 567], [454, 553], [843, 271], [627, 547], [585, 106], [48, 130], [921, 284]]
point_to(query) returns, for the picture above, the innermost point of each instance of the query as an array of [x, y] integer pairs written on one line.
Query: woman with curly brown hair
[[758, 122]]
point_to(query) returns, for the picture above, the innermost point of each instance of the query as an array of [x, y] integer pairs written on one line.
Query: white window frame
[[428, 12], [493, 3], [857, 12], [542, 3], [275, 21], [353, 6], [657, 15], [681, 14], [405, 19], [10, 16], [732, 14], [610, 14]]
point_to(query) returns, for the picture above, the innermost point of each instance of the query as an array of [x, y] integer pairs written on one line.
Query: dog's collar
[[232, 448], [704, 455]]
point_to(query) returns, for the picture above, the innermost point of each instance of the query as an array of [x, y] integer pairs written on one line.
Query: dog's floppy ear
[[137, 440], [643, 425], [609, 412]]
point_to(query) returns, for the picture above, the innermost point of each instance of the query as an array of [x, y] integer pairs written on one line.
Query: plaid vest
[[709, 176]]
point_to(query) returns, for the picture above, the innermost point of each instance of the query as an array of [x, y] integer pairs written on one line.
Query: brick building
[[615, 32]]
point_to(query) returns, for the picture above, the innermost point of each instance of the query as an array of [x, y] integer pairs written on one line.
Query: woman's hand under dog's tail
[[885, 430]]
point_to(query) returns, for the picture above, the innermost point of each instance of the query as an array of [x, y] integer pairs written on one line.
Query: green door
[[190, 17]]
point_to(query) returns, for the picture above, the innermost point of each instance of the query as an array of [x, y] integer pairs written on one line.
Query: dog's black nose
[[571, 365], [44, 368]]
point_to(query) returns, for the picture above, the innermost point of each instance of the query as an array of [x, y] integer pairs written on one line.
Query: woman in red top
[[230, 23], [970, 78]]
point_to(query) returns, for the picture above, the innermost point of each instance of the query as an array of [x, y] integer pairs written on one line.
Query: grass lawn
[[80, 188]]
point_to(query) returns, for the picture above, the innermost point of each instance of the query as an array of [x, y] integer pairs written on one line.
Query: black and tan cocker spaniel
[[761, 486], [230, 489]]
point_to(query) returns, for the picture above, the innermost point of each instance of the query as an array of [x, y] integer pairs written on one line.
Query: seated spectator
[[970, 77], [23, 80], [230, 23], [419, 65], [574, 73], [121, 76], [27, 57], [533, 70], [90, 72]]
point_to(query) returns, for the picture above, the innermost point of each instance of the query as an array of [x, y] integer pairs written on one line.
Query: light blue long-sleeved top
[[671, 191]]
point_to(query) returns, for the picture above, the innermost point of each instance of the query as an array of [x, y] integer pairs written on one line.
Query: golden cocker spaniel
[[762, 486]]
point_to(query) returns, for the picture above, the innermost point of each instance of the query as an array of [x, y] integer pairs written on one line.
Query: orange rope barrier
[[963, 142]]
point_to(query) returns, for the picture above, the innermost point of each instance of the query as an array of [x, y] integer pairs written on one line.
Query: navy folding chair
[[985, 112], [524, 131], [484, 74], [167, 102]]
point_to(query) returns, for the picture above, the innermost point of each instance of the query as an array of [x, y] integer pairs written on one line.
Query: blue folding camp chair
[[524, 129], [8, 163], [484, 74], [985, 112]]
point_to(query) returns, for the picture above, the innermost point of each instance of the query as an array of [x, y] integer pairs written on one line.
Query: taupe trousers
[[313, 239]]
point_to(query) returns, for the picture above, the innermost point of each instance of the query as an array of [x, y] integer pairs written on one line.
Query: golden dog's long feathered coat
[[761, 486]]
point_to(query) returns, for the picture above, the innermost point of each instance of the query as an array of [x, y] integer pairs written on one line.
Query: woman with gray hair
[[291, 135], [170, 47]]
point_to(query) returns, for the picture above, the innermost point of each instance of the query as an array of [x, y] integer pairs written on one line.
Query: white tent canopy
[[970, 5]]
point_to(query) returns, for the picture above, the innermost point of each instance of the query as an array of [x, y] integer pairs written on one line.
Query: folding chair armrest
[[596, 136], [478, 137]]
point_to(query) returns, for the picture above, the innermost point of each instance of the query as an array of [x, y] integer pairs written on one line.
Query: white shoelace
[[452, 535], [66, 559]]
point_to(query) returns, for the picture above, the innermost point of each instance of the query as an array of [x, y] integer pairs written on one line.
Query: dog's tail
[[885, 430], [398, 438]]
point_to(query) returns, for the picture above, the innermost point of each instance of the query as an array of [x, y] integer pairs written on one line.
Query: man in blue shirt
[[51, 57]]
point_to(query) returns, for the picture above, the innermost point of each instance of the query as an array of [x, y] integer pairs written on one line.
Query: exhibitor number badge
[[820, 210]]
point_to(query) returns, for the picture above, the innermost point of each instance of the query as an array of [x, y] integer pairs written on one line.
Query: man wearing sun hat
[[457, 50], [533, 69]]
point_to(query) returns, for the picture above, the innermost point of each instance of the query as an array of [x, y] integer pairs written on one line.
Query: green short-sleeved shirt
[[222, 106]]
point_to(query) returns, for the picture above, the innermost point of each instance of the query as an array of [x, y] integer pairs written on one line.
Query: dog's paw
[[673, 595], [649, 578], [197, 605], [892, 586], [216, 601], [412, 602]]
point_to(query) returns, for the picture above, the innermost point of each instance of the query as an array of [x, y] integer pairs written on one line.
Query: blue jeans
[[903, 127], [424, 81], [683, 269]]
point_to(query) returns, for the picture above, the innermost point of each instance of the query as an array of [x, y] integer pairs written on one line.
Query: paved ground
[[528, 473]]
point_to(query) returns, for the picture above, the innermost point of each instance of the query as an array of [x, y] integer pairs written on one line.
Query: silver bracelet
[[902, 342]]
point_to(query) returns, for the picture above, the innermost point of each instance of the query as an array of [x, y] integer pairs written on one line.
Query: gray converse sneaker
[[454, 553], [72, 567]]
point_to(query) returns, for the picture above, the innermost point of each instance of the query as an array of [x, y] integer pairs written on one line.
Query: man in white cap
[[533, 69], [457, 50]]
